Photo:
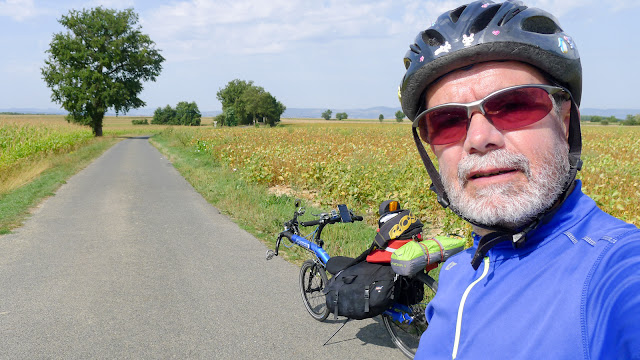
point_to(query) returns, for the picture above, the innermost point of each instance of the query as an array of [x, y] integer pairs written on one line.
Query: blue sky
[[308, 54]]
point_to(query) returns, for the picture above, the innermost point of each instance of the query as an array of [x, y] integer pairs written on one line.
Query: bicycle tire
[[406, 337], [313, 279]]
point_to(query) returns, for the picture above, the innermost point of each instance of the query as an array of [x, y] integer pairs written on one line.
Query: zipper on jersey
[[456, 341]]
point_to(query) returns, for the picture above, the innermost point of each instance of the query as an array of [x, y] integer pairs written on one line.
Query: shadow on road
[[143, 137], [374, 333]]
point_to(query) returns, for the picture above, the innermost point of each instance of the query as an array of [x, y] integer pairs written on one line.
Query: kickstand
[[334, 334]]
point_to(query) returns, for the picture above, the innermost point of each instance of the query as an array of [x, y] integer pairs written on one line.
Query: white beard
[[509, 205]]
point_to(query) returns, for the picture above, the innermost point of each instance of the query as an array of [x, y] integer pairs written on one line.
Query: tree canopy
[[327, 114], [245, 103], [399, 116], [99, 64], [185, 113]]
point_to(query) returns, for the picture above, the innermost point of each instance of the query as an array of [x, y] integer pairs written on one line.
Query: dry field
[[357, 162], [364, 164]]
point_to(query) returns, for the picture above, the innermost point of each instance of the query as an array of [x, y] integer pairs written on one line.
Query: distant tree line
[[630, 120], [339, 116], [185, 113], [244, 103]]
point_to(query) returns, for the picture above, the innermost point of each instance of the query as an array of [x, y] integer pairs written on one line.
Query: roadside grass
[[51, 173], [252, 206]]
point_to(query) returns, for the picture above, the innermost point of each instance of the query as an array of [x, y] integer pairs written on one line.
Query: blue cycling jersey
[[573, 292]]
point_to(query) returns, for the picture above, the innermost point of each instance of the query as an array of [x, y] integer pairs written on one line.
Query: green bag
[[414, 256]]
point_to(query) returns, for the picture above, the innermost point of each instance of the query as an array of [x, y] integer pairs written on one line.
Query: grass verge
[[252, 206], [16, 203]]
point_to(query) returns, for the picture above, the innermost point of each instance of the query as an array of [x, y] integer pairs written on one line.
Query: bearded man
[[494, 90]]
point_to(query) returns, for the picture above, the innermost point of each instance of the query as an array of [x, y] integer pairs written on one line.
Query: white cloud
[[198, 28], [18, 9], [620, 5], [111, 4]]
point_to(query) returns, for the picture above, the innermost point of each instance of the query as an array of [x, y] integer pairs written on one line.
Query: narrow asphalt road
[[127, 261]]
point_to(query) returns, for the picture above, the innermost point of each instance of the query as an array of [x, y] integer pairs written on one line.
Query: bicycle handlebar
[[332, 220], [310, 223], [291, 226]]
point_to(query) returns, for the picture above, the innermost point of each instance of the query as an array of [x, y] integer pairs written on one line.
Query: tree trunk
[[96, 120]]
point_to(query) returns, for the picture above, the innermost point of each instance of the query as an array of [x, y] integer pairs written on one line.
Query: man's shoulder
[[598, 226]]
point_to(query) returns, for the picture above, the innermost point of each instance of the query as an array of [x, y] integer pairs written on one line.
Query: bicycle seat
[[339, 263]]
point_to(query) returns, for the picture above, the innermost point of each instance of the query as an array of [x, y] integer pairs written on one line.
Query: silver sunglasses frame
[[476, 106]]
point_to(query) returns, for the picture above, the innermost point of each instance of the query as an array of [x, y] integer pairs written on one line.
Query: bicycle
[[404, 323]]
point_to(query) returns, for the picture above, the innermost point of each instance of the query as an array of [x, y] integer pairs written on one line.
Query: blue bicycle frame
[[311, 246]]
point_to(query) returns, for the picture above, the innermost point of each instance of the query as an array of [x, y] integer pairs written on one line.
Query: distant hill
[[370, 113], [315, 113], [618, 113]]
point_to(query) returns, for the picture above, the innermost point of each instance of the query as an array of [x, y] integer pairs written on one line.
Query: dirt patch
[[308, 195]]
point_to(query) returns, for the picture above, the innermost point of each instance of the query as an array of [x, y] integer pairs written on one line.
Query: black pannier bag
[[361, 291], [410, 291]]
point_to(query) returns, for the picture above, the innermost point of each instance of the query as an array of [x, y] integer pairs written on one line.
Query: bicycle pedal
[[270, 254]]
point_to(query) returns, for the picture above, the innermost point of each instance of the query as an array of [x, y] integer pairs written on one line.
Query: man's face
[[498, 177]]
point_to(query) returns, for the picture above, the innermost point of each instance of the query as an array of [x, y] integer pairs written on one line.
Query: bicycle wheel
[[313, 279], [407, 336]]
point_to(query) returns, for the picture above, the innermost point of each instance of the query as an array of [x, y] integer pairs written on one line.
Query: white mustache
[[500, 158]]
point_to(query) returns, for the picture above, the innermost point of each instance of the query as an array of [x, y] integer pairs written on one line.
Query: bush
[[140, 122], [184, 114], [631, 120]]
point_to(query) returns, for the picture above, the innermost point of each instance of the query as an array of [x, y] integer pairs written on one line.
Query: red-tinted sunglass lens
[[518, 108], [446, 125]]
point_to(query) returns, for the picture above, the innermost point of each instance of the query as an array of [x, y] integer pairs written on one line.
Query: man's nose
[[482, 135]]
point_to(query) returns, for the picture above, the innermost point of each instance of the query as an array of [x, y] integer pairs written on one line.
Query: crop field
[[25, 141], [357, 163], [364, 164], [21, 138]]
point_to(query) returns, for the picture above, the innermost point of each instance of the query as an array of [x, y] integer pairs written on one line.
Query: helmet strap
[[436, 185]]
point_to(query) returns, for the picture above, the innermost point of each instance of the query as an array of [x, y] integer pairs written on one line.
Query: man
[[494, 90]]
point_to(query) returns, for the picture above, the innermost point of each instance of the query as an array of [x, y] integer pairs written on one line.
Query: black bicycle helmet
[[485, 31]]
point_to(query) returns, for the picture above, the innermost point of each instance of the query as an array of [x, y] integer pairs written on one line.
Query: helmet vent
[[432, 38], [455, 14], [415, 48], [484, 19], [508, 16], [540, 25]]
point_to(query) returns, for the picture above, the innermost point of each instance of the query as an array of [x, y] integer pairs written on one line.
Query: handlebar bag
[[414, 256], [361, 291]]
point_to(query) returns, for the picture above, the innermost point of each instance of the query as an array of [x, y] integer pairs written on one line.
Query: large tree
[[100, 63]]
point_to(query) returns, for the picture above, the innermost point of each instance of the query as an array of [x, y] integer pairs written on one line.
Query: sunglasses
[[507, 109]]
